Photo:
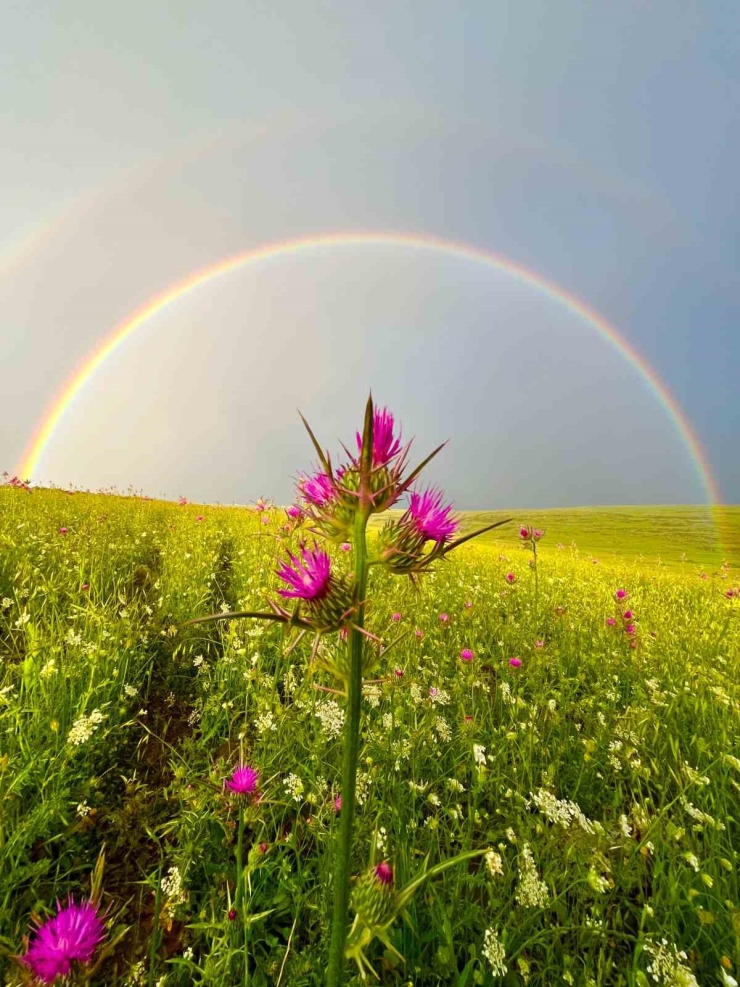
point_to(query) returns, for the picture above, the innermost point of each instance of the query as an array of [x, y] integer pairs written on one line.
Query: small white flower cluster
[[362, 789], [84, 728], [494, 952], [443, 728], [531, 891], [130, 690], [265, 722], [479, 754], [694, 777], [172, 888], [701, 817], [73, 639], [373, 694], [331, 715], [294, 787], [83, 809], [6, 603], [23, 619], [49, 669], [562, 811], [667, 966], [494, 863]]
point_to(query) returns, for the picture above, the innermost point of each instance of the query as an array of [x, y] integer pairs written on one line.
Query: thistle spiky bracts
[[378, 904]]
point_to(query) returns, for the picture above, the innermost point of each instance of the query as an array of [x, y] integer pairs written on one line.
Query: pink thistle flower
[[466, 654], [199, 517], [468, 718], [243, 780], [398, 673], [385, 445], [294, 512], [468, 604], [345, 546], [515, 662], [261, 505], [396, 616], [730, 593], [182, 501], [73, 934], [537, 534], [611, 621], [525, 533], [510, 578], [317, 490], [62, 531], [232, 914], [338, 803], [262, 848], [430, 518], [627, 615], [418, 633], [310, 580], [85, 586], [630, 628], [444, 617], [621, 594], [384, 872], [539, 645]]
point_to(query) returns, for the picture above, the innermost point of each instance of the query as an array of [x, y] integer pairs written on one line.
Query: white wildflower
[[294, 787], [531, 891], [479, 754], [332, 718], [494, 863], [667, 966], [443, 728], [494, 952]]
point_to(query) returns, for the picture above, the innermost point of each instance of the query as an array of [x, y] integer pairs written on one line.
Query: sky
[[594, 145]]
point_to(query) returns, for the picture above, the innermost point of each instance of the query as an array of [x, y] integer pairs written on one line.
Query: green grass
[[613, 758], [695, 535]]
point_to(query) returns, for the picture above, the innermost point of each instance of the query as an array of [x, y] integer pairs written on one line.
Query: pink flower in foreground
[[62, 531], [466, 654], [310, 580], [525, 533], [621, 594], [510, 577], [317, 490], [444, 617], [430, 518], [384, 872], [515, 662], [293, 512], [243, 780], [396, 616], [72, 935], [385, 444]]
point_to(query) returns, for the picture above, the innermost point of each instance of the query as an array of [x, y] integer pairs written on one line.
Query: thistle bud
[[374, 895]]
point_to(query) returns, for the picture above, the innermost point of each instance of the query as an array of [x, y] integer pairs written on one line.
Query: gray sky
[[596, 144]]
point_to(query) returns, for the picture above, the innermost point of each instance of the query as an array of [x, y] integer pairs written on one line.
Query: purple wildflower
[[385, 444], [317, 489], [510, 577], [430, 518], [627, 615], [62, 531], [345, 546], [418, 632], [384, 872], [293, 512], [310, 580], [338, 803], [73, 934], [621, 594], [525, 533], [468, 604], [444, 617], [515, 662], [396, 616], [611, 621], [630, 628], [243, 780], [466, 654]]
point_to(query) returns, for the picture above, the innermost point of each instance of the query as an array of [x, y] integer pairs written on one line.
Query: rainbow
[[54, 414]]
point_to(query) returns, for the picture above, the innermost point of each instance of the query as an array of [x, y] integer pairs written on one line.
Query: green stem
[[240, 861], [343, 851]]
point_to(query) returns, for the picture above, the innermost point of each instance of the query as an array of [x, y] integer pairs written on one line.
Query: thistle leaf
[[473, 534], [321, 454]]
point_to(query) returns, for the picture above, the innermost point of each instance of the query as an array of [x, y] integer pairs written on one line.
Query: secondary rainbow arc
[[55, 412]]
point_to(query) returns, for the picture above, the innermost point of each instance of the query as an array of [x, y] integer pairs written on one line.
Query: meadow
[[594, 757]]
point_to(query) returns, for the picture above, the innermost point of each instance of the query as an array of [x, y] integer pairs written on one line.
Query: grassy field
[[704, 536], [601, 772]]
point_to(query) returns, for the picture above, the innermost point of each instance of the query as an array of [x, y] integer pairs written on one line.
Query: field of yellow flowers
[[585, 739]]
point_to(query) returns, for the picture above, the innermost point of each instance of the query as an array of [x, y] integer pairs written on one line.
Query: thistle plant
[[336, 506], [529, 537]]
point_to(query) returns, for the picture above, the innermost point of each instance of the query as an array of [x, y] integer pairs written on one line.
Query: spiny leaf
[[473, 534], [322, 456]]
